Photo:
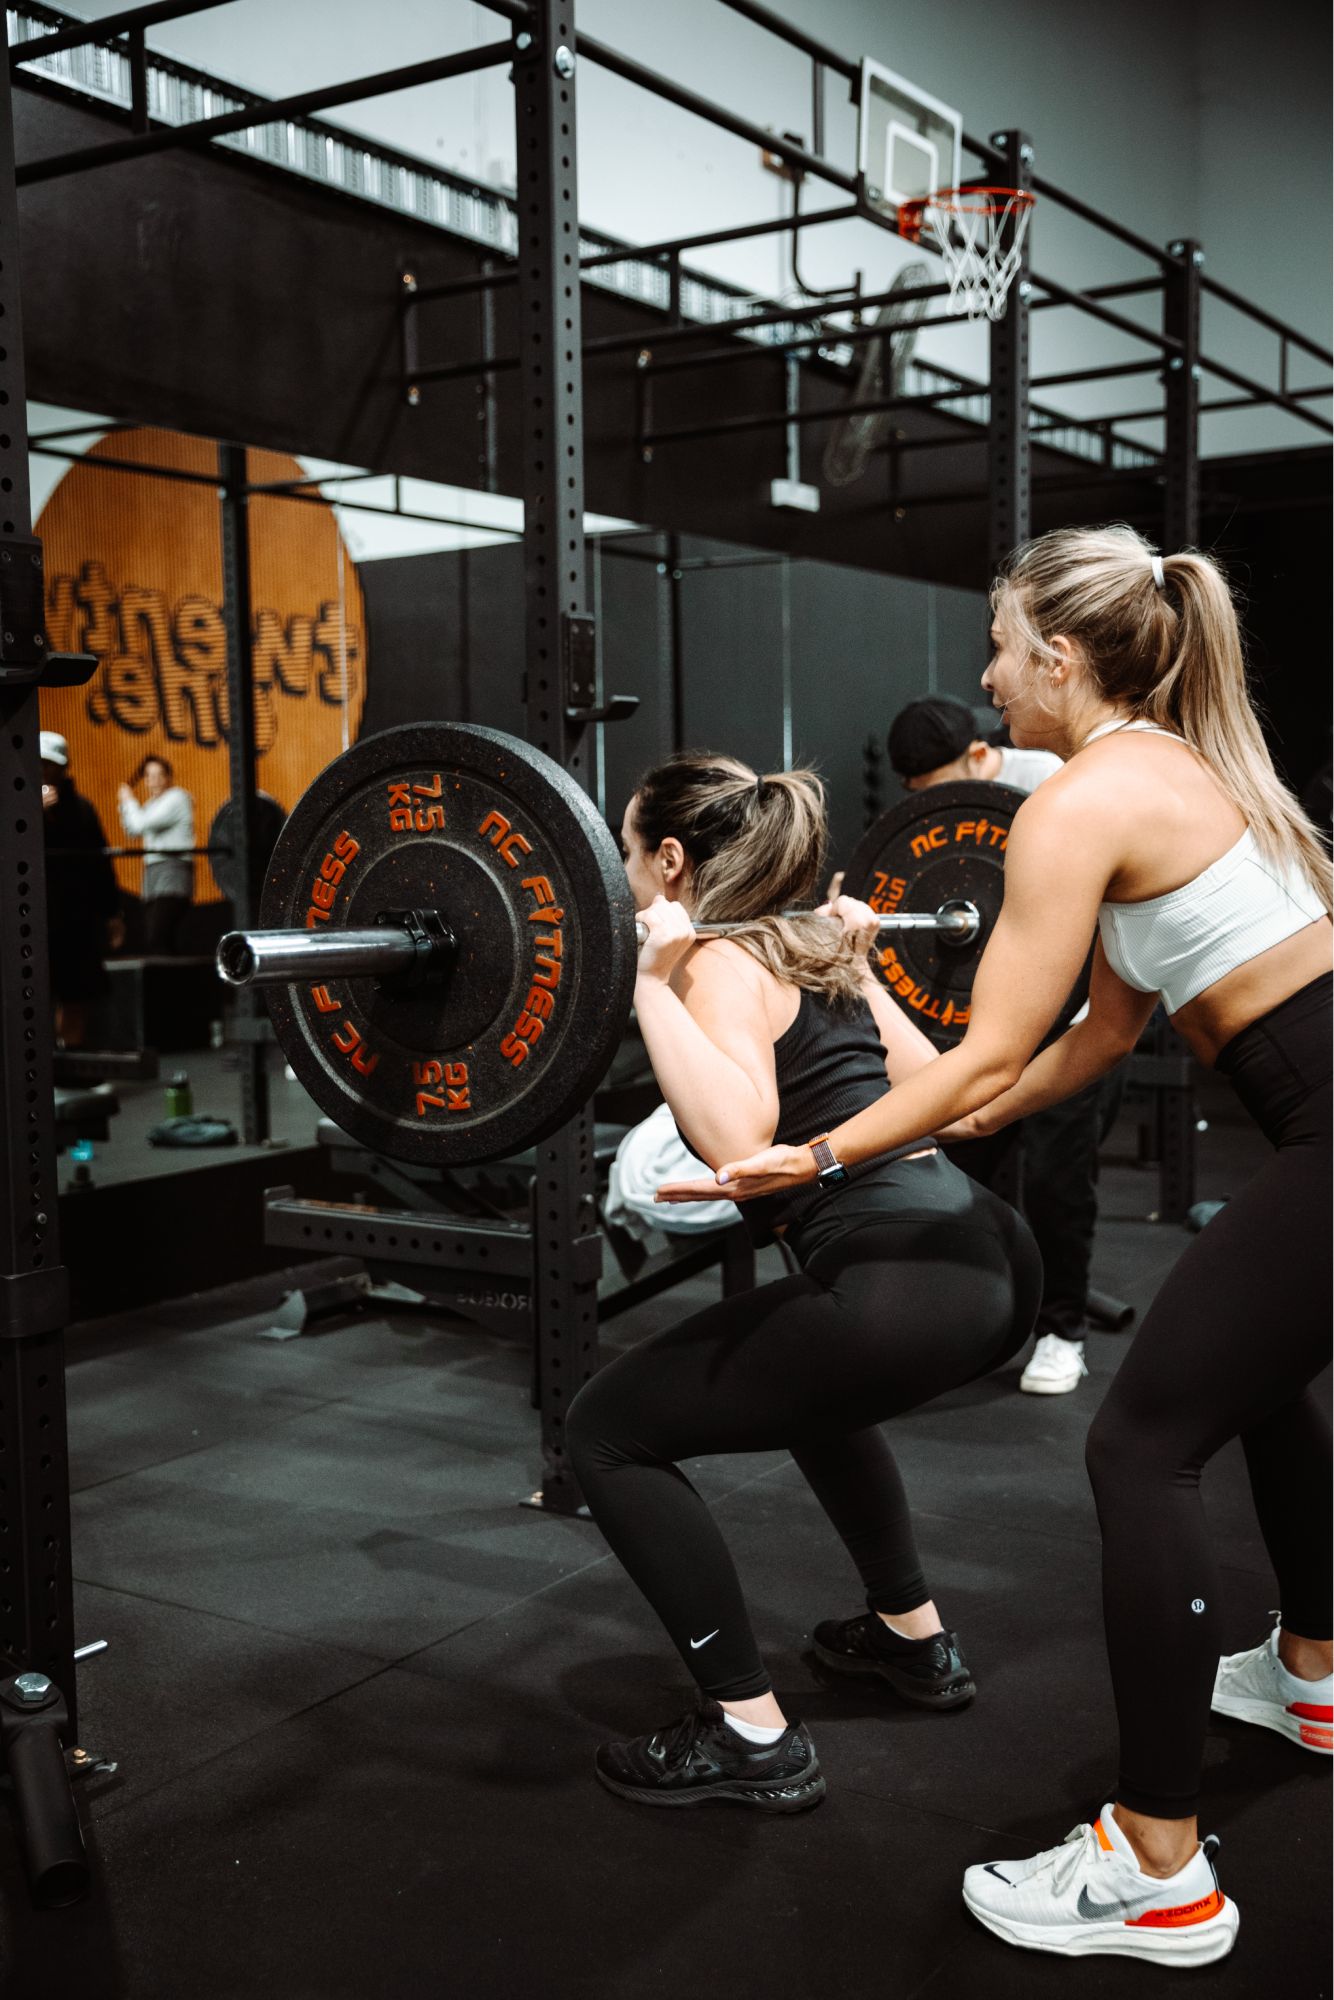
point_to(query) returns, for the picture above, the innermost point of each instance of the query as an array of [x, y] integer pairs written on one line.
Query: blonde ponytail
[[1171, 652]]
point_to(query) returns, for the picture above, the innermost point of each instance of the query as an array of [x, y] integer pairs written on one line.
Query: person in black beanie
[[936, 740]]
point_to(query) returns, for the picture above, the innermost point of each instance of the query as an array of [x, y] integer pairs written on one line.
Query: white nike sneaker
[[1257, 1687], [1090, 1895], [1057, 1367]]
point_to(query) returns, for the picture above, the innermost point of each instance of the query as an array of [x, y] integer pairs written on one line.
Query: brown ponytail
[[755, 845]]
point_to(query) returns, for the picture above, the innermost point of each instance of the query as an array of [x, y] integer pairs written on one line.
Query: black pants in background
[[911, 1284], [163, 916], [1048, 1162]]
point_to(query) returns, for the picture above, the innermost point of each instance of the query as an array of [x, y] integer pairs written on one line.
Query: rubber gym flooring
[[353, 1689]]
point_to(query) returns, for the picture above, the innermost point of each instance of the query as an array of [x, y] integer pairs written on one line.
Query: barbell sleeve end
[[235, 960], [281, 958]]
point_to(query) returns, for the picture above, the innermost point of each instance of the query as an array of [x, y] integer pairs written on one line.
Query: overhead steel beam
[[1262, 318], [268, 112], [772, 316], [131, 20], [1049, 191], [797, 38], [728, 121], [777, 225], [1084, 302], [1275, 397]]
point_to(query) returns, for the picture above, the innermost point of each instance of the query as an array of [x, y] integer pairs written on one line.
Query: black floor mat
[[354, 1689]]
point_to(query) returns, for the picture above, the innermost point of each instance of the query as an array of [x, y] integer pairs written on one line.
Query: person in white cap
[[82, 895]]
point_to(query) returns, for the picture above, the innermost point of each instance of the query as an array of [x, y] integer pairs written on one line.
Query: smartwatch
[[829, 1169]]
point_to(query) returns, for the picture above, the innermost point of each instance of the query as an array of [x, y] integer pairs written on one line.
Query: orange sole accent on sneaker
[[1178, 1918], [1318, 1739]]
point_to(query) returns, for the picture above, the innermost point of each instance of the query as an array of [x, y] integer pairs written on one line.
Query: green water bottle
[[180, 1103]]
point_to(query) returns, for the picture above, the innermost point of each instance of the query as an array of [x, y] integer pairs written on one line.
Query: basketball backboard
[[907, 141]]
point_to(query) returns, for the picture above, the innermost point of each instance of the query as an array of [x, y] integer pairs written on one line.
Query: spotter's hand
[[776, 1170], [670, 934]]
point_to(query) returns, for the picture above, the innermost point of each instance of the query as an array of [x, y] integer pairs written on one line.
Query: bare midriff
[[1210, 1021]]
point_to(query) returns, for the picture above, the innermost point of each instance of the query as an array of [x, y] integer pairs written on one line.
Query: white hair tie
[[1158, 575]]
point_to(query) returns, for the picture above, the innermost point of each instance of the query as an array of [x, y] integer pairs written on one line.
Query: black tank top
[[829, 1065]]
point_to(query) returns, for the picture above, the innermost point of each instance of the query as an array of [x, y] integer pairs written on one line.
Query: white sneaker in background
[[1057, 1366], [1090, 1896], [1257, 1687]]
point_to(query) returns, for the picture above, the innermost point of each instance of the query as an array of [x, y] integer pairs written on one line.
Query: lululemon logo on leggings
[[1197, 1604]]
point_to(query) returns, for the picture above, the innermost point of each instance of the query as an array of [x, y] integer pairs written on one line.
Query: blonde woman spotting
[[912, 1279], [1168, 831]]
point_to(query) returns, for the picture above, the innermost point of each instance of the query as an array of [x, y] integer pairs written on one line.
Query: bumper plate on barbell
[[936, 846], [513, 854]]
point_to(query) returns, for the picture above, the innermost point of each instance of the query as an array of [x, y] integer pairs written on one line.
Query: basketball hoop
[[979, 233]]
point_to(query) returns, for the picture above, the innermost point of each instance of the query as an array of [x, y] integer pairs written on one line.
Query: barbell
[[409, 948], [447, 940]]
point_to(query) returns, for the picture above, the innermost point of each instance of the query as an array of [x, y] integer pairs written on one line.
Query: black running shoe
[[699, 1759], [929, 1672]]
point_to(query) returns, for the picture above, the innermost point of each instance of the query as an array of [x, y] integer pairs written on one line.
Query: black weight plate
[[937, 846], [269, 818], [503, 842]]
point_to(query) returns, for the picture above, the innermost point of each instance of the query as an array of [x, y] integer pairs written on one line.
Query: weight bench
[[487, 1190], [447, 1239], [74, 1067]]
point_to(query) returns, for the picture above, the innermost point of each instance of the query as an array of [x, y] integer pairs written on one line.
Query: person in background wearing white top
[[165, 822], [935, 741], [1170, 829]]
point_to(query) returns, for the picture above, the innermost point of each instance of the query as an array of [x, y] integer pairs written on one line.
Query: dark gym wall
[[447, 634], [779, 661]]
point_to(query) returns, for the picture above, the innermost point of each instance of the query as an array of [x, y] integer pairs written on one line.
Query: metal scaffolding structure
[[545, 262]]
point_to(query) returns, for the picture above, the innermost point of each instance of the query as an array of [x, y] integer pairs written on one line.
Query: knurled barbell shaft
[[276, 958], [959, 921]]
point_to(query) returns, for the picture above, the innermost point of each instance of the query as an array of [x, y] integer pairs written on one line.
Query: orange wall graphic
[[134, 574]]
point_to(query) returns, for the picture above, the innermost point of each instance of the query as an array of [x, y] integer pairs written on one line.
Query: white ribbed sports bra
[[1178, 944]]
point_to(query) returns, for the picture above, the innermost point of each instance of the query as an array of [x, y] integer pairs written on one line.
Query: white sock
[[899, 1632], [752, 1731]]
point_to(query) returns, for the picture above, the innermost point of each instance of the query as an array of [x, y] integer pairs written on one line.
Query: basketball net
[[978, 233]]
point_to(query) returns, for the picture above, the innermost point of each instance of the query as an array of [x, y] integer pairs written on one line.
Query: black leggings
[[910, 1285], [1232, 1341]]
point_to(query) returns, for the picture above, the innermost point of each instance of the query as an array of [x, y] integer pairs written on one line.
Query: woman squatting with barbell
[[1171, 834], [912, 1280]]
